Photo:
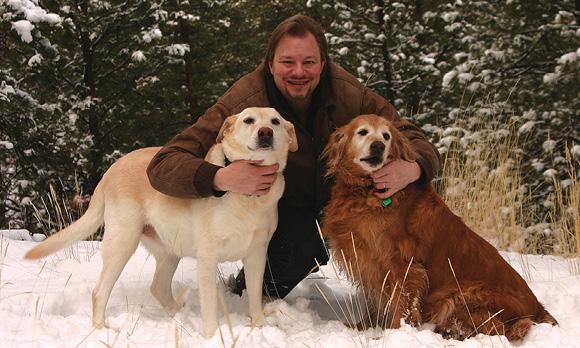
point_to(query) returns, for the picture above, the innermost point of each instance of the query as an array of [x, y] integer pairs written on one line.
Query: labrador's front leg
[[254, 266], [206, 279]]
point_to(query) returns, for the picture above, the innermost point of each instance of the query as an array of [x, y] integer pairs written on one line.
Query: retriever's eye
[[363, 132], [387, 136], [249, 120], [275, 121]]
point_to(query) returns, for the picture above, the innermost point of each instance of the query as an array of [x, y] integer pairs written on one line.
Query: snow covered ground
[[47, 303]]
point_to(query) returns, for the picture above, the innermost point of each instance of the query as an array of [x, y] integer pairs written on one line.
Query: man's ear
[[226, 128], [292, 136], [334, 151]]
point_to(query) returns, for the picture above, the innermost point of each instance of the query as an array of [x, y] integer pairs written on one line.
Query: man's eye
[[363, 132], [275, 121], [249, 120]]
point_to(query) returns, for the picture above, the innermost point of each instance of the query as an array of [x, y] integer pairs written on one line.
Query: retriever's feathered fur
[[415, 251]]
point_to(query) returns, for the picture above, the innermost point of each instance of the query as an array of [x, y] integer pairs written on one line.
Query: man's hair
[[298, 26]]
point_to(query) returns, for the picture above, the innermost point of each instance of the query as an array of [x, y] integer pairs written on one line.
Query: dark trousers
[[291, 259]]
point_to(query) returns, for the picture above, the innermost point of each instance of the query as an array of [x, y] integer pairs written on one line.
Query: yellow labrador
[[227, 228]]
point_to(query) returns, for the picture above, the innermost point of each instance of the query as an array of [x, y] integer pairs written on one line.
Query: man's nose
[[298, 69]]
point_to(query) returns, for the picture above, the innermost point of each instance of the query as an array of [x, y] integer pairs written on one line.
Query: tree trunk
[[419, 10], [190, 94], [577, 12], [94, 122], [387, 65]]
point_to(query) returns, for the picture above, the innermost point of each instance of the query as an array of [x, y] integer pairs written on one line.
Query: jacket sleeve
[[428, 158], [179, 168]]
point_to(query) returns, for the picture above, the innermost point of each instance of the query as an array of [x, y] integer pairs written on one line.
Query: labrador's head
[[364, 145], [258, 134]]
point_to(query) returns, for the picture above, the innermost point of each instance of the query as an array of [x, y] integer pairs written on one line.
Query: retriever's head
[[258, 134], [364, 145]]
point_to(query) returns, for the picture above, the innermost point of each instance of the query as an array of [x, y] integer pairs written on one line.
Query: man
[[317, 96]]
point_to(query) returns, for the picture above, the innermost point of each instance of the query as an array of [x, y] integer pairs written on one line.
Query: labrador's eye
[[249, 120], [363, 132], [387, 136], [275, 121]]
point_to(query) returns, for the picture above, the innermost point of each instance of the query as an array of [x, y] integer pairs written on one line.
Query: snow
[[33, 14], [448, 77], [568, 58], [526, 127], [24, 29], [551, 77], [537, 164], [6, 144], [35, 60], [16, 234], [464, 77], [178, 49], [449, 16], [47, 303], [151, 35], [138, 56], [550, 174], [549, 145], [495, 53], [576, 151]]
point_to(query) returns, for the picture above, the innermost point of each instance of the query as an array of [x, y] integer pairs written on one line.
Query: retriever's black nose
[[377, 148], [265, 137]]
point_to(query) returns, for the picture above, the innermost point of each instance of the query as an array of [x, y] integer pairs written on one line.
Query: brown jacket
[[179, 169]]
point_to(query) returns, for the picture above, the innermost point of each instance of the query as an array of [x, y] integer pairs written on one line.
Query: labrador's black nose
[[265, 137]]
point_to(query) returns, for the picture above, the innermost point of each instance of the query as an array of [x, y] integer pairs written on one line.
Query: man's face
[[296, 67]]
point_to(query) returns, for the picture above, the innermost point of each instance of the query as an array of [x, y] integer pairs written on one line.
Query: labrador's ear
[[334, 151], [292, 136], [401, 146], [226, 128]]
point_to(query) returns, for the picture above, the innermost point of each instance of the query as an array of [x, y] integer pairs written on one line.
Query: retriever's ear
[[401, 146], [292, 136], [226, 128], [334, 151]]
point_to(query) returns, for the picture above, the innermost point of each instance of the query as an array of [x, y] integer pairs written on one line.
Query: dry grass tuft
[[481, 184], [56, 214], [565, 214]]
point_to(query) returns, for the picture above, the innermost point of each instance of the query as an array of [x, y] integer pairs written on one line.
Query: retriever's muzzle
[[265, 138], [376, 154]]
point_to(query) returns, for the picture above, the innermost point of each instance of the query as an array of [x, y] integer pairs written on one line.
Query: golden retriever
[[413, 258], [227, 228]]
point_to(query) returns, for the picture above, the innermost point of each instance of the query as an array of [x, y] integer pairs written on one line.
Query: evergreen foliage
[[83, 82]]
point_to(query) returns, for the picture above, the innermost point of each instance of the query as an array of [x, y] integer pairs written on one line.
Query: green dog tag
[[386, 202]]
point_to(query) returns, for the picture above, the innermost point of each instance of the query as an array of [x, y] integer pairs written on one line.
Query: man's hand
[[246, 177], [395, 176]]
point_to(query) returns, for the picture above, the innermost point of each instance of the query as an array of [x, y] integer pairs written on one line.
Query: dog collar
[[386, 201]]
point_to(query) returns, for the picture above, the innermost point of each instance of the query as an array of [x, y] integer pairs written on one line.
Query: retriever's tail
[[521, 327], [79, 230], [543, 316]]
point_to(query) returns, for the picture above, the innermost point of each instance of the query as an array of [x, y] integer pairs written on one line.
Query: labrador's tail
[[81, 229]]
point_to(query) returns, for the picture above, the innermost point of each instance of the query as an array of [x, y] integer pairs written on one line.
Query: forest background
[[494, 84]]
